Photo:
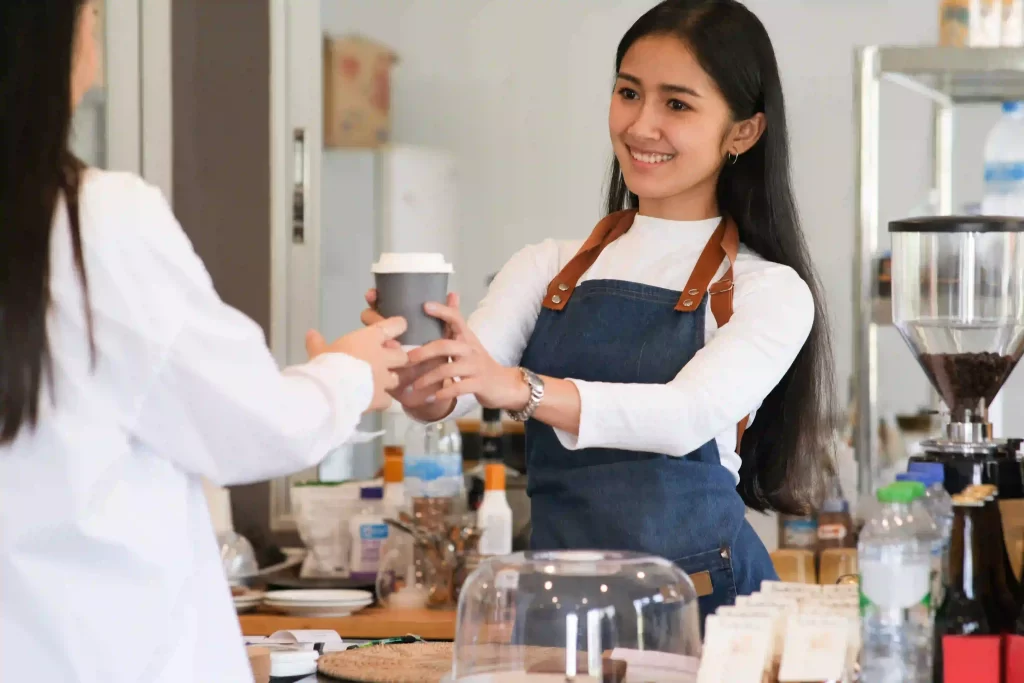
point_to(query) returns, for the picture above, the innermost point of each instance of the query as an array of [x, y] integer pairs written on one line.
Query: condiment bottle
[[835, 524], [495, 515], [491, 433], [799, 532], [368, 532]]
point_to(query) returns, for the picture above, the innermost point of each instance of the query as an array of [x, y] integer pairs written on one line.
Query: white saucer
[[304, 596]]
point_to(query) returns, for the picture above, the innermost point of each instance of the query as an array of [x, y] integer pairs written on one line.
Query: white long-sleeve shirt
[[726, 380], [109, 568]]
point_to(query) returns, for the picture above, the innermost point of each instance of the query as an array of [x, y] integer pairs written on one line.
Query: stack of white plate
[[248, 601], [318, 603]]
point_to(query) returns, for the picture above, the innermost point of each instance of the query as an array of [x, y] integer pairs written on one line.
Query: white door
[[296, 150]]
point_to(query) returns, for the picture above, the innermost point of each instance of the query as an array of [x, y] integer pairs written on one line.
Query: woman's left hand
[[472, 369]]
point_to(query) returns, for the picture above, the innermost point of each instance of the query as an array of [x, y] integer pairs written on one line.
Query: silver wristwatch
[[536, 385]]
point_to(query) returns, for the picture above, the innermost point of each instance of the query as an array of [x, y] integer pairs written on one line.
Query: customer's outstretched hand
[[374, 345]]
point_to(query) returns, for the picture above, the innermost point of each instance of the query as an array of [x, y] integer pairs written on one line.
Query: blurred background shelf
[[947, 77]]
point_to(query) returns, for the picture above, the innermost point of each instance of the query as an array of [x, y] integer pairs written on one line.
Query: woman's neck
[[688, 206]]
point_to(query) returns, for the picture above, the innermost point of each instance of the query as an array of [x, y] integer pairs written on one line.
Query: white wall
[[519, 89]]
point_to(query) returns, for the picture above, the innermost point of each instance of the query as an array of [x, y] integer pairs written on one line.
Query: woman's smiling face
[[670, 128]]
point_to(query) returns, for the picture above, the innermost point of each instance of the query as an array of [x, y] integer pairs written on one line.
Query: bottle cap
[[494, 476], [371, 493], [1011, 107], [936, 469], [924, 477], [901, 492], [492, 415]]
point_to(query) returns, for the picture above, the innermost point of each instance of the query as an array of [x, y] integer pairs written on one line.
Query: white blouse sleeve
[[725, 381], [217, 404], [504, 320]]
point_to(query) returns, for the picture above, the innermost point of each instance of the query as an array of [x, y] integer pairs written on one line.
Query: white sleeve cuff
[[348, 384], [464, 405], [573, 442]]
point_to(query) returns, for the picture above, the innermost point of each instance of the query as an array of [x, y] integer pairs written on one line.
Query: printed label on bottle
[[889, 585], [371, 541], [496, 539], [490, 448], [1004, 172], [799, 533], [433, 475], [832, 532]]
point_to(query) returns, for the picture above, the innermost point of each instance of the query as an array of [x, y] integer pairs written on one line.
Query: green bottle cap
[[901, 492]]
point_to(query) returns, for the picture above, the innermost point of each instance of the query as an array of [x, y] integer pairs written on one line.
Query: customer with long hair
[[124, 380]]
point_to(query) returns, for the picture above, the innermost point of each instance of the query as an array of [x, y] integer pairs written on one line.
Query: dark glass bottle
[[1001, 583], [963, 611], [491, 437]]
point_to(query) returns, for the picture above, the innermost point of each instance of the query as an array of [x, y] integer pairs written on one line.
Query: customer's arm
[[216, 403]]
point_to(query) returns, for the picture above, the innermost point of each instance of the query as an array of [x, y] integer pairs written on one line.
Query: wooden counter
[[370, 623]]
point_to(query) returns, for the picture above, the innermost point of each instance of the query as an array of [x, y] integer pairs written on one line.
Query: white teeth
[[652, 158]]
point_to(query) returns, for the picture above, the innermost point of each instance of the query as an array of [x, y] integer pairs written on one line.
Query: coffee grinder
[[958, 302]]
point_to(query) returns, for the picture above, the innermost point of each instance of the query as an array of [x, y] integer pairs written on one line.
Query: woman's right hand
[[374, 345], [418, 403]]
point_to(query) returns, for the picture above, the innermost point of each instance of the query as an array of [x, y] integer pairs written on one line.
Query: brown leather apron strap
[[609, 229], [723, 245]]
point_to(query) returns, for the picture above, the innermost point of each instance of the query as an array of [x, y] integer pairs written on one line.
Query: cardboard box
[[357, 92]]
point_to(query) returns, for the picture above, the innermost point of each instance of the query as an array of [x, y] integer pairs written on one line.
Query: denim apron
[[684, 509]]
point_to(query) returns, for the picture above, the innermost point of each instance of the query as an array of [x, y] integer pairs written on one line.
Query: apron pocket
[[712, 577]]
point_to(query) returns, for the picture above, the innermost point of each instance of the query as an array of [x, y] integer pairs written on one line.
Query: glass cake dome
[[575, 615]]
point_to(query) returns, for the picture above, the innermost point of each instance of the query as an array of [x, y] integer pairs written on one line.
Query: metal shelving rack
[[947, 77]]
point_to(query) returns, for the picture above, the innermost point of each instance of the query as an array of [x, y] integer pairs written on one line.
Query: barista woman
[[676, 364]]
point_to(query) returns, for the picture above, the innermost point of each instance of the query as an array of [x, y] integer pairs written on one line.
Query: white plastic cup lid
[[410, 262]]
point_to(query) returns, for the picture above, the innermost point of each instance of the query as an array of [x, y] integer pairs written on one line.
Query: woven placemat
[[408, 663]]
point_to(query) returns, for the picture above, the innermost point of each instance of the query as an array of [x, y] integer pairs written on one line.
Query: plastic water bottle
[[895, 558], [1004, 164], [433, 462], [936, 498], [932, 495]]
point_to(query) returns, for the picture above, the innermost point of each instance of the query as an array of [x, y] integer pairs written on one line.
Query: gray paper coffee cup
[[405, 283]]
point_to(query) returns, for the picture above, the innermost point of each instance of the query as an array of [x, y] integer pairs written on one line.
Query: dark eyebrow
[[665, 87]]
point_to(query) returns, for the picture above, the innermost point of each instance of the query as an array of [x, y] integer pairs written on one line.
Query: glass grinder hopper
[[958, 302]]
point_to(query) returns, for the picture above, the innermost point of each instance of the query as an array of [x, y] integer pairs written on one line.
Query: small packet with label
[[817, 649], [766, 621], [735, 652], [851, 614], [777, 617]]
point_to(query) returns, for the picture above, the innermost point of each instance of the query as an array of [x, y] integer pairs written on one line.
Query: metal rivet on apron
[[556, 299], [688, 302], [563, 287], [693, 292]]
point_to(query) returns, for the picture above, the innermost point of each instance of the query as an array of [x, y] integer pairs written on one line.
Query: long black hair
[[785, 451], [37, 171]]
